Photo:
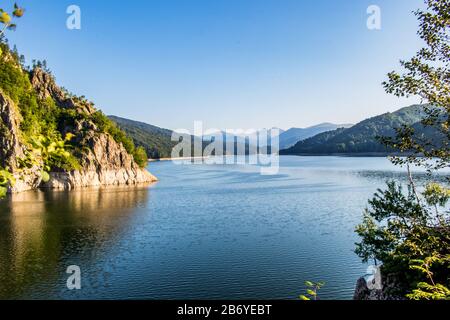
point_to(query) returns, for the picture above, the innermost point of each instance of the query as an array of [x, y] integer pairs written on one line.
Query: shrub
[[54, 153], [6, 178], [3, 191], [140, 156], [106, 125]]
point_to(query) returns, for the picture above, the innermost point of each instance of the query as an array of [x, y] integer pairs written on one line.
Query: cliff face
[[9, 133], [103, 161], [106, 163], [11, 148]]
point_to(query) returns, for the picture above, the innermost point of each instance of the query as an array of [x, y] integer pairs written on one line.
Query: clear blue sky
[[229, 63]]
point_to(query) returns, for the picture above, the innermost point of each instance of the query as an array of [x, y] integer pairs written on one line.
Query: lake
[[202, 232]]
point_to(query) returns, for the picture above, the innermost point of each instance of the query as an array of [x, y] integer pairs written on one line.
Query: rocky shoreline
[[367, 290], [103, 162]]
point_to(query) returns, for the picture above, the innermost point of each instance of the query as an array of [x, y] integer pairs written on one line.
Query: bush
[[106, 125], [3, 191], [54, 153], [140, 156], [6, 178], [410, 236]]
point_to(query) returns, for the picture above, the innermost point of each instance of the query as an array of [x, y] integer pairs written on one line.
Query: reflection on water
[[201, 232], [40, 231]]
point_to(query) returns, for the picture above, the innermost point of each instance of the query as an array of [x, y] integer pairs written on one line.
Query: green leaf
[[311, 292], [18, 12], [45, 177], [5, 18], [3, 191], [304, 298]]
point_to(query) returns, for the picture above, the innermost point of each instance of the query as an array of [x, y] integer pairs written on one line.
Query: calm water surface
[[202, 232]]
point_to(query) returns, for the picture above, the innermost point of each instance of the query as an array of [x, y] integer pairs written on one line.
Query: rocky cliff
[[102, 160], [388, 290], [11, 148]]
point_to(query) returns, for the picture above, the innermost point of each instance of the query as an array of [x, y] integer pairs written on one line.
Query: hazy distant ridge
[[360, 138]]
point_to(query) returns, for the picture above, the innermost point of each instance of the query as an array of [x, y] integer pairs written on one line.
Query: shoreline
[[343, 155], [177, 159]]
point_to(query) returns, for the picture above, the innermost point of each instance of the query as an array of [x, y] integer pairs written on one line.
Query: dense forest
[[156, 141], [362, 137], [290, 137]]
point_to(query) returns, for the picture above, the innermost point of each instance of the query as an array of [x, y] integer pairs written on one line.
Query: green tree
[[427, 76], [409, 232], [429, 290]]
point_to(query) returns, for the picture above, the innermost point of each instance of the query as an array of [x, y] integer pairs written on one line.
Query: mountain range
[[321, 139], [360, 138], [290, 137], [157, 141]]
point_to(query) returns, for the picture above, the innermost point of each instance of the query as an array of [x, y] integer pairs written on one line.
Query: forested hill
[[290, 137], [361, 138], [54, 139], [156, 141]]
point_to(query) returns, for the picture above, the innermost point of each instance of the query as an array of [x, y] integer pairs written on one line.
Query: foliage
[[43, 118], [106, 125], [15, 83], [140, 156], [429, 290], [427, 75], [436, 195], [362, 137], [374, 240], [157, 142], [45, 176], [54, 153], [312, 290], [3, 192], [38, 117], [43, 123], [7, 18], [410, 232], [40, 121], [6, 178], [399, 231]]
